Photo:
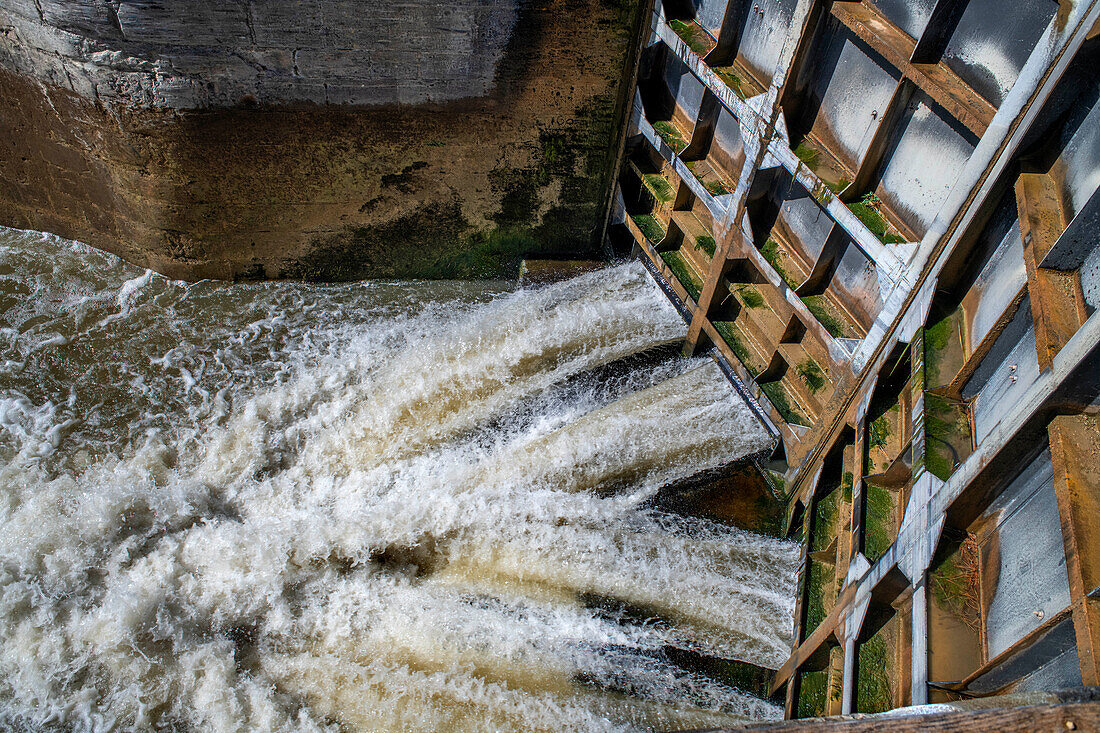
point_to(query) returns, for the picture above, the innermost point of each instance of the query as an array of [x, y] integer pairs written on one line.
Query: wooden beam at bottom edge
[[1081, 717]]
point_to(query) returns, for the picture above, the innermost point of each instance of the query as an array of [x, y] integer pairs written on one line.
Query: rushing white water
[[387, 506]]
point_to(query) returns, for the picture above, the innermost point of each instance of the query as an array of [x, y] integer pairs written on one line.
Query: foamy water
[[382, 507]]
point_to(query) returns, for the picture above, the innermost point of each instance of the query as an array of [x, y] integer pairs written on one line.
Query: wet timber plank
[[1083, 717]]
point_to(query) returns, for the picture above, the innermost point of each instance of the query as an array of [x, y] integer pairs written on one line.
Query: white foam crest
[[470, 368]]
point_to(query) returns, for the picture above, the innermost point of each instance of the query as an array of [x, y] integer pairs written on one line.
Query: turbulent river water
[[376, 506]]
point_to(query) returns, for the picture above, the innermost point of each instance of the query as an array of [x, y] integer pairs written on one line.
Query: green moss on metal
[[771, 252], [826, 513], [683, 272], [697, 39], [650, 227], [731, 80], [779, 482], [811, 375], [947, 426], [671, 136], [937, 337], [707, 244], [778, 397], [880, 432], [878, 519], [751, 297], [715, 187], [818, 578], [809, 155], [811, 694], [874, 693], [659, 186], [867, 212], [729, 335], [816, 305]]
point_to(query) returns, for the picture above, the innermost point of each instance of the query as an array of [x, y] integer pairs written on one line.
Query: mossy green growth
[[811, 158], [847, 483], [707, 244], [770, 250], [751, 297], [811, 375], [671, 136], [880, 432], [659, 186], [836, 689], [826, 512], [937, 338], [683, 272], [715, 187], [816, 305], [878, 508], [487, 254], [778, 397], [779, 481], [732, 80], [809, 155], [650, 227], [697, 39], [434, 242], [728, 333], [947, 426], [867, 212], [820, 575], [573, 161], [812, 693], [873, 689], [743, 676]]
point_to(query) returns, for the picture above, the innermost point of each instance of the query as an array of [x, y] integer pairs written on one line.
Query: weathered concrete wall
[[341, 139], [201, 54]]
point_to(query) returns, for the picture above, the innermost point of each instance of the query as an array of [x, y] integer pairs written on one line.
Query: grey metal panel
[[926, 156], [1090, 276], [1013, 333], [686, 89], [999, 281], [1080, 160], [857, 277], [803, 216], [1030, 560], [1061, 673], [727, 132], [1078, 240], [709, 14], [853, 90], [764, 34], [1006, 379], [909, 15], [1043, 665], [727, 138], [993, 40]]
